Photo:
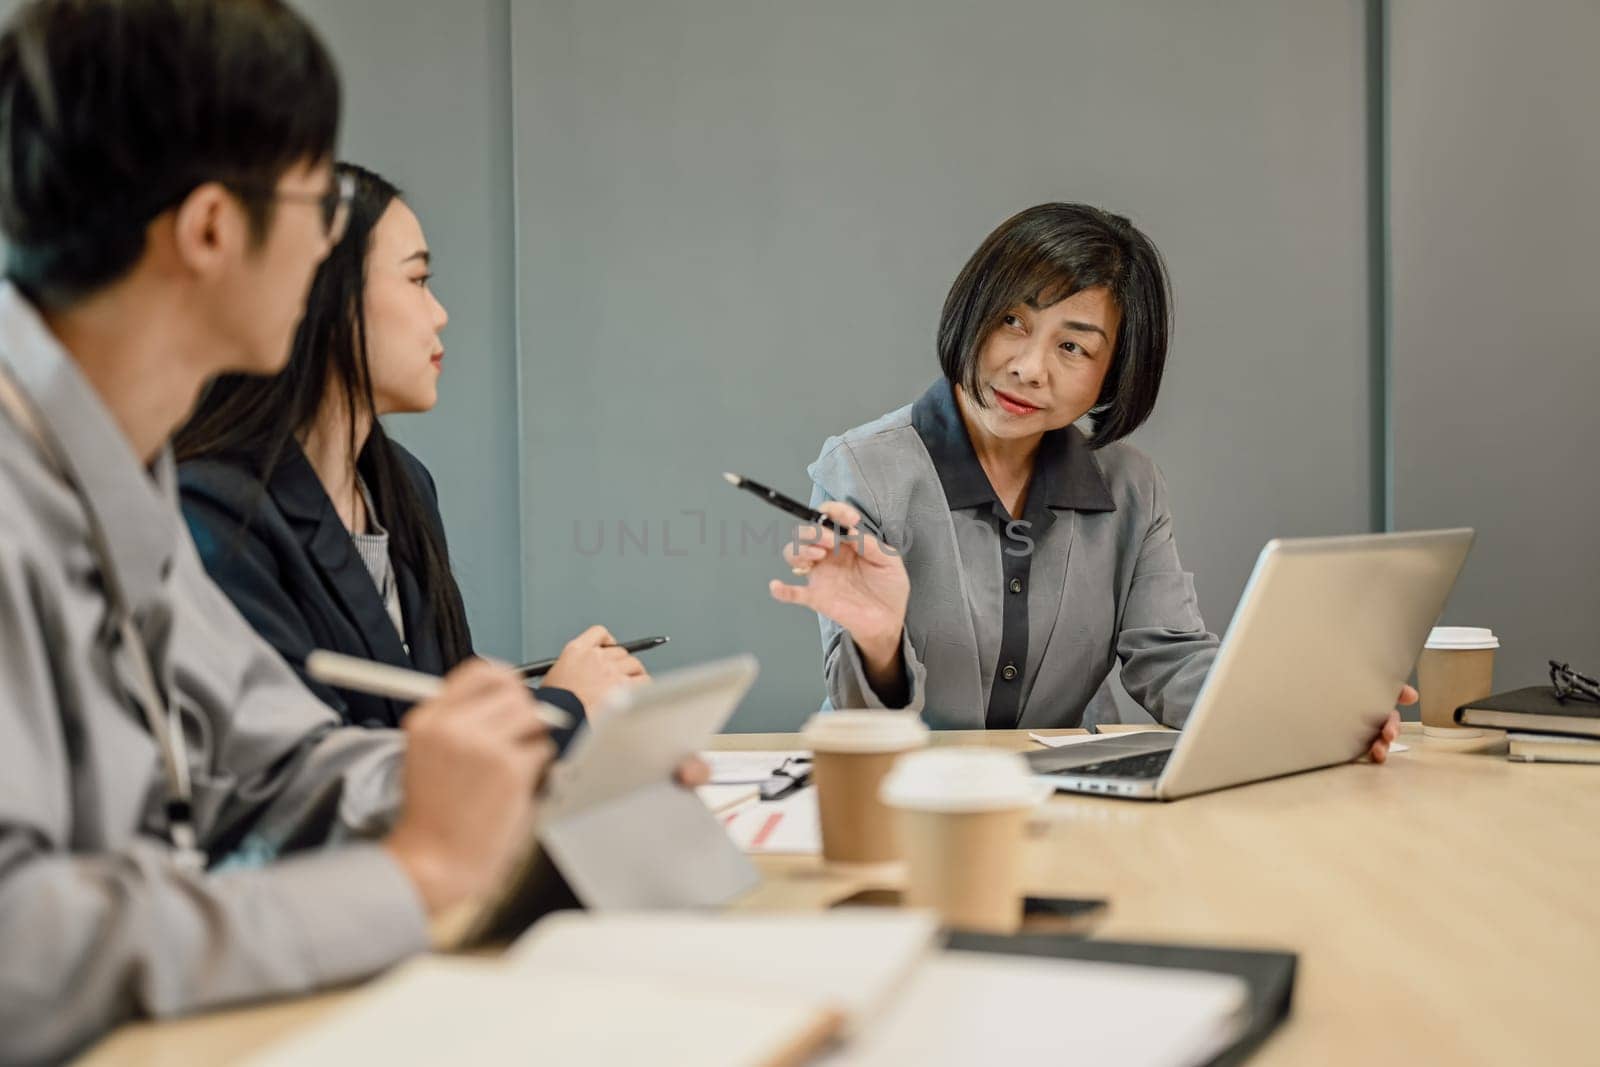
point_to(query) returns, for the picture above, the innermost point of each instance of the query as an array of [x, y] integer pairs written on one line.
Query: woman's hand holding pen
[[591, 665], [857, 583]]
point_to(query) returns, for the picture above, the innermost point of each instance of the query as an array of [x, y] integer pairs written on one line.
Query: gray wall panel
[[1495, 171]]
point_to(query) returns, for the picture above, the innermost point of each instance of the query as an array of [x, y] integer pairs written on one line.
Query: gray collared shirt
[[1017, 623], [98, 921]]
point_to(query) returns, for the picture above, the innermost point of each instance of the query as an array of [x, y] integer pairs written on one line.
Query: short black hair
[[1040, 257], [113, 111]]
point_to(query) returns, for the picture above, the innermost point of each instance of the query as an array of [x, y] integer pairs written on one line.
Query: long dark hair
[[255, 421]]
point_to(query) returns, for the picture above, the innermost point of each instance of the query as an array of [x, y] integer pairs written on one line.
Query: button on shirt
[[98, 921]]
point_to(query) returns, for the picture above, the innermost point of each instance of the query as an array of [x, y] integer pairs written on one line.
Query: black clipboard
[[1268, 974]]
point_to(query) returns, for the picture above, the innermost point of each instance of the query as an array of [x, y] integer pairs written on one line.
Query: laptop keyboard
[[1145, 765]]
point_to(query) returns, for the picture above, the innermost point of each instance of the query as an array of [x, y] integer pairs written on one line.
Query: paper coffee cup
[[1456, 667], [962, 815], [851, 754]]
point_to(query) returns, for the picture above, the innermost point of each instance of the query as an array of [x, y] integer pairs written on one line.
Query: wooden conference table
[[1446, 906]]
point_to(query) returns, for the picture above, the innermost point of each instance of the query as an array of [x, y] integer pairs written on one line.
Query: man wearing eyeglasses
[[167, 785]]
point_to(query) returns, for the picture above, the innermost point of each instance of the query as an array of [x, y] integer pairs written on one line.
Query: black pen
[[784, 503], [540, 668]]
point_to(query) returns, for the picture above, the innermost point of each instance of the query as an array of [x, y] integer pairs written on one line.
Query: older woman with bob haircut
[[1004, 559]]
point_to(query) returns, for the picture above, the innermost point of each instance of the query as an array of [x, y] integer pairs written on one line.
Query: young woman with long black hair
[[323, 531]]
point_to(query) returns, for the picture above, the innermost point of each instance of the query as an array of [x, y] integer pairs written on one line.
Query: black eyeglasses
[[335, 203], [1569, 684]]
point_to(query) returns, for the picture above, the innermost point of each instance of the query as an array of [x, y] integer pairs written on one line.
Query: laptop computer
[[1326, 632]]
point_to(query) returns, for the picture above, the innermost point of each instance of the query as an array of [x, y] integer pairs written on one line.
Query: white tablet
[[614, 825]]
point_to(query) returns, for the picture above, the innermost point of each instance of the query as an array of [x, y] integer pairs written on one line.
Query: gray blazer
[[1095, 557]]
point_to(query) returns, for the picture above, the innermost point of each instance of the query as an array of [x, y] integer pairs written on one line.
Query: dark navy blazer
[[287, 562]]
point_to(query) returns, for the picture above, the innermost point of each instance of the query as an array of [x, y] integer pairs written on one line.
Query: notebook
[[1548, 748], [867, 987], [1532, 710], [440, 1010], [903, 999]]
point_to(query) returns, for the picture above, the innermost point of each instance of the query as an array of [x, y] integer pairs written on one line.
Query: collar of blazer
[[305, 504]]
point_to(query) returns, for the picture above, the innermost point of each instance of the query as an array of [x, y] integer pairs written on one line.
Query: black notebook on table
[[1534, 710], [1269, 975]]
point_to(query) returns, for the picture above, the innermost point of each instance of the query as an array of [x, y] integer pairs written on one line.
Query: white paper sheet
[[789, 826], [742, 768]]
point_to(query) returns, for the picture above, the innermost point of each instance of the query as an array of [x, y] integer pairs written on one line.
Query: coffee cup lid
[[963, 780], [1462, 637], [864, 731]]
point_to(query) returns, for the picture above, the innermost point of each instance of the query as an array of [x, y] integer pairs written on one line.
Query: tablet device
[[615, 830]]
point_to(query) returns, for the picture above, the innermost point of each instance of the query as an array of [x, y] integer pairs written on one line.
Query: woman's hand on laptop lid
[[1391, 727]]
